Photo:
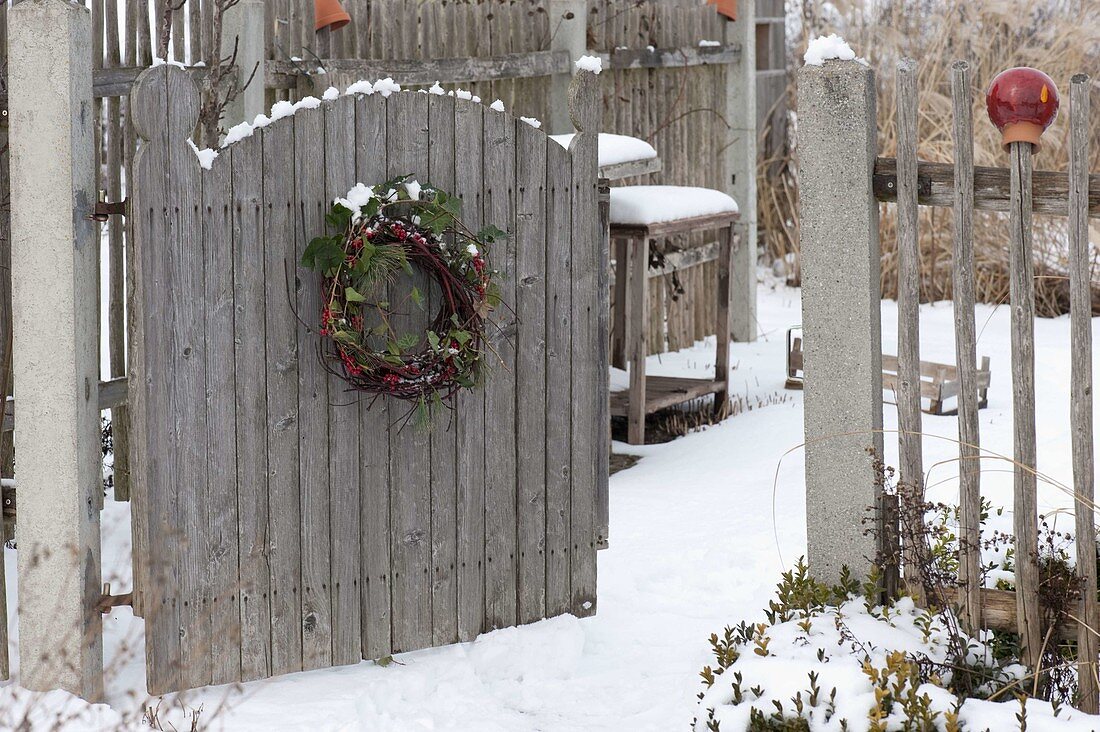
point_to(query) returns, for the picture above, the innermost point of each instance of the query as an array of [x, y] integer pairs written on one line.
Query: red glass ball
[[1022, 102]]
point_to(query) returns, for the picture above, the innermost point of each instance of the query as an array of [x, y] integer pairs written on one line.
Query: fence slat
[[441, 174], [345, 459], [469, 124], [221, 493], [590, 422], [500, 379], [410, 492], [911, 470], [1080, 284], [375, 415], [530, 281], [559, 388], [966, 356], [251, 407], [1022, 295], [311, 200]]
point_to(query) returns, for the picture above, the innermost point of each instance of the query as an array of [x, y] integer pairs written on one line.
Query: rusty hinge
[[108, 601], [106, 209], [7, 500]]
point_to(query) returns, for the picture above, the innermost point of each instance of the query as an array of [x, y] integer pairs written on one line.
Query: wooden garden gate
[[279, 523]]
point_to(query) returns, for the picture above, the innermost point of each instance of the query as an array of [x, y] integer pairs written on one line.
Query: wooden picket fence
[[910, 183]]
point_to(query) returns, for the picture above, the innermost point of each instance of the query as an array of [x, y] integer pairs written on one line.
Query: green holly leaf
[[323, 253], [407, 341], [463, 337], [490, 234], [352, 295], [433, 340], [417, 297]]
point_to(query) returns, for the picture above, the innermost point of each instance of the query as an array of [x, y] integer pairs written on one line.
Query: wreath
[[379, 232]]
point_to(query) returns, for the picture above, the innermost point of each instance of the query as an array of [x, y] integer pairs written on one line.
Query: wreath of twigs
[[379, 232]]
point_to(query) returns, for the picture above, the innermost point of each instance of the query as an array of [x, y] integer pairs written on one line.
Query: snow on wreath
[[380, 231]]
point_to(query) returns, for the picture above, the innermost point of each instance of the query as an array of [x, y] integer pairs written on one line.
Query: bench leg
[[638, 257], [621, 327], [723, 321]]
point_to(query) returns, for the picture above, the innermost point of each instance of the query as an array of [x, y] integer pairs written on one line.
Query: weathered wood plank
[[670, 58], [441, 175], [410, 477], [415, 71], [251, 406], [498, 209], [1022, 295], [282, 366], [343, 425], [638, 346], [311, 202], [530, 286], [966, 350], [911, 469], [148, 397], [559, 388], [220, 537], [589, 343], [1081, 421], [187, 380], [372, 146], [992, 187], [469, 125]]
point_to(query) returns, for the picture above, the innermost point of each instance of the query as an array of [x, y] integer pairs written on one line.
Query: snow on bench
[[615, 149], [645, 205]]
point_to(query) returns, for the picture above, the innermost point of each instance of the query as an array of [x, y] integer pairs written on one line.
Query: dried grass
[[1060, 36]]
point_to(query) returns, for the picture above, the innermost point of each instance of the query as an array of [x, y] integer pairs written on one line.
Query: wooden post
[[840, 314], [911, 470], [568, 30], [243, 28], [1088, 645], [740, 163], [638, 347], [54, 254], [966, 352], [1022, 295], [726, 237]]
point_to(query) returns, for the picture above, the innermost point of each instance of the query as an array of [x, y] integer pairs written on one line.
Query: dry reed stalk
[[1060, 36]]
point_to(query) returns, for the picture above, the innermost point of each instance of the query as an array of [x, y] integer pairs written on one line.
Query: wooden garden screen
[[281, 524]]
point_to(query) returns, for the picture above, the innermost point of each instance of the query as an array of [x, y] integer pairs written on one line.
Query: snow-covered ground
[[700, 529]]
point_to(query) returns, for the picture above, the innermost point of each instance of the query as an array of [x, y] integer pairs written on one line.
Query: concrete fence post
[[243, 25], [56, 331], [740, 160], [569, 32], [840, 313]]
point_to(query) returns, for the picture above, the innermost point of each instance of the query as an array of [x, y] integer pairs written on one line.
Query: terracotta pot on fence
[[1022, 103], [330, 14]]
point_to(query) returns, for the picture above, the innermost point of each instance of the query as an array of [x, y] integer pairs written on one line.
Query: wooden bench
[[938, 382], [631, 244]]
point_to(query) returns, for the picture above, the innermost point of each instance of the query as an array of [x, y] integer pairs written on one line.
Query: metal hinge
[[105, 209], [7, 500], [108, 601]]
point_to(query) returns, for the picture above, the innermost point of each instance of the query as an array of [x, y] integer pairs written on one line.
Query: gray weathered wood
[[284, 517], [345, 460], [469, 169], [992, 187], [441, 175], [590, 418], [530, 348], [966, 356], [187, 387], [603, 381], [559, 393], [311, 203], [638, 347], [1080, 284], [410, 476], [911, 470], [1022, 294], [723, 319], [372, 144], [498, 208], [220, 549], [630, 169], [251, 406]]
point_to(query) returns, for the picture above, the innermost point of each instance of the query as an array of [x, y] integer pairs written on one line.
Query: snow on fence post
[[55, 327], [840, 313], [740, 154], [568, 29], [244, 29]]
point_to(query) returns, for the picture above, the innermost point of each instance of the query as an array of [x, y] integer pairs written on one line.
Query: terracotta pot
[[1022, 103], [330, 14]]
